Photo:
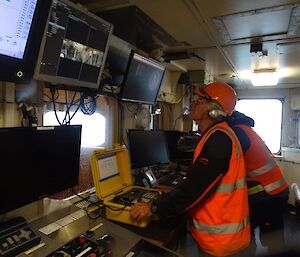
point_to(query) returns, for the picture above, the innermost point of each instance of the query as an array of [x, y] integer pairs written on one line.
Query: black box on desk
[[114, 184]]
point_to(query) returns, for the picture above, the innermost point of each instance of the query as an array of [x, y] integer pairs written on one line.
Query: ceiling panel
[[191, 23], [260, 23], [176, 18]]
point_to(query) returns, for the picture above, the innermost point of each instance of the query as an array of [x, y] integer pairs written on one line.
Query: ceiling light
[[264, 77]]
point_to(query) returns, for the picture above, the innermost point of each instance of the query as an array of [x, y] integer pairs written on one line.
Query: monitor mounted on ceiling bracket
[[73, 49], [142, 80]]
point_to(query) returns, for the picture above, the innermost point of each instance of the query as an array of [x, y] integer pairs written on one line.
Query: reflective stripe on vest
[[229, 188], [271, 164], [275, 185], [264, 169], [255, 190], [221, 229], [268, 188]]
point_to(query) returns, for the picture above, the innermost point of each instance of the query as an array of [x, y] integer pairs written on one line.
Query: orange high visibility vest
[[220, 225], [260, 164]]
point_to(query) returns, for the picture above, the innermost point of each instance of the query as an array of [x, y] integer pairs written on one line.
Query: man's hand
[[163, 188], [140, 211]]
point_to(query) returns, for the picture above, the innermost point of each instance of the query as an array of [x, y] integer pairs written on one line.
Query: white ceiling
[[221, 32]]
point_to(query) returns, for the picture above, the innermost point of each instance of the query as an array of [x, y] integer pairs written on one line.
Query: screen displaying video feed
[[74, 47], [143, 79], [17, 17], [77, 52]]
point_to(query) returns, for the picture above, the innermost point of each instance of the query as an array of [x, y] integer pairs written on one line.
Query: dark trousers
[[268, 215]]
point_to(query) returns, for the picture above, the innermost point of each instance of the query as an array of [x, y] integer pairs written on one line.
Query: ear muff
[[216, 113]]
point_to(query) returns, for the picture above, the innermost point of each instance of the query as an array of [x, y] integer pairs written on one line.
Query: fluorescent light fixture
[[264, 77]]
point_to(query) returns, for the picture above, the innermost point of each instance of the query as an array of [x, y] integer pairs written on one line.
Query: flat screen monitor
[[22, 26], [142, 80], [147, 147], [37, 162], [172, 138], [74, 47]]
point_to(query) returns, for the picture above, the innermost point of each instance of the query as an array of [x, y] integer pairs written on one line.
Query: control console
[[83, 246], [16, 236], [135, 195]]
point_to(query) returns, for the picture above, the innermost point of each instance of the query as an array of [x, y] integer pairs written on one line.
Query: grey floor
[[289, 248]]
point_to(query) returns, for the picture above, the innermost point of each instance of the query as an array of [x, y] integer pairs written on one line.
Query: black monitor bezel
[[131, 57], [134, 166], [10, 66], [175, 154], [40, 195], [64, 82]]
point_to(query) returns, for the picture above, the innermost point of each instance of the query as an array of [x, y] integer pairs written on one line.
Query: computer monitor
[[74, 47], [172, 138], [37, 162], [142, 80], [147, 147], [22, 26]]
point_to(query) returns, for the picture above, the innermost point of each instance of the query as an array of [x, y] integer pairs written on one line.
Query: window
[[93, 126], [267, 114], [298, 129]]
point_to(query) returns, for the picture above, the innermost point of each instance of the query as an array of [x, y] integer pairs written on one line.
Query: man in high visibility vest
[[214, 195], [267, 188]]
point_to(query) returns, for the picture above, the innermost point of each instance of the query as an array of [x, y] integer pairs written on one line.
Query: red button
[[93, 255], [82, 239]]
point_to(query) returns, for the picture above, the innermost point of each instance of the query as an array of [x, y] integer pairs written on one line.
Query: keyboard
[[134, 196], [171, 179]]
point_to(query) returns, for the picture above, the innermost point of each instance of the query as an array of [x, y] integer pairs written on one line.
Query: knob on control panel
[[82, 246]]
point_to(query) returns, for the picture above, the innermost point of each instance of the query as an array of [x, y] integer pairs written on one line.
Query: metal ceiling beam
[[204, 23]]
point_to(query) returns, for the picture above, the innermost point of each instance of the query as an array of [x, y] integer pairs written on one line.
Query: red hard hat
[[220, 92]]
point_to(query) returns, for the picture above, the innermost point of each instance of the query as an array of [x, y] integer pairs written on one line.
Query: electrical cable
[[73, 102], [120, 122], [162, 97], [176, 121], [85, 199], [96, 203], [54, 105], [78, 106], [91, 204], [67, 114], [50, 98]]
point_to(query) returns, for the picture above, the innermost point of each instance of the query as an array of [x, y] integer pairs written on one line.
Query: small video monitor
[[147, 147], [74, 47], [142, 80]]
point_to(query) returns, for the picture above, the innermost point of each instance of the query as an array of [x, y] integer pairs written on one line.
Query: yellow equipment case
[[113, 183]]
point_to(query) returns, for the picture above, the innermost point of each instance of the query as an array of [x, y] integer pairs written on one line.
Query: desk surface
[[122, 239], [165, 232]]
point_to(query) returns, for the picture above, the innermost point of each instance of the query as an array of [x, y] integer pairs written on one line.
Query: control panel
[[16, 236], [135, 195], [83, 246]]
